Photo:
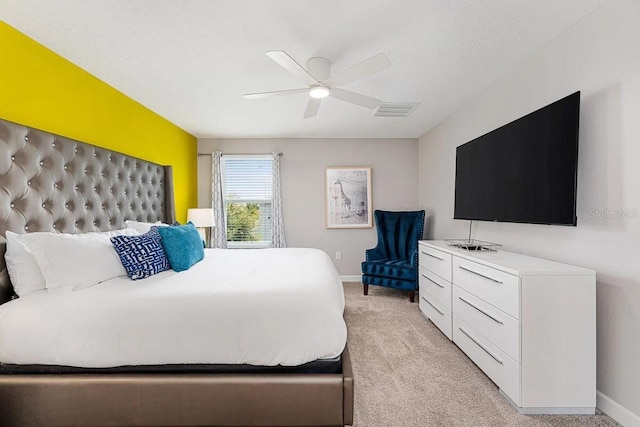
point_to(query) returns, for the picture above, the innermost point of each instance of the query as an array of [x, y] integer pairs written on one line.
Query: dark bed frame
[[52, 183]]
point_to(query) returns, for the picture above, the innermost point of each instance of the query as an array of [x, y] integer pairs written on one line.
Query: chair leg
[[412, 296], [366, 288]]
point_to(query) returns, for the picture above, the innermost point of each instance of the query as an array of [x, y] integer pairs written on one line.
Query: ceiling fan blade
[[275, 93], [362, 69], [312, 107], [289, 64], [355, 98]]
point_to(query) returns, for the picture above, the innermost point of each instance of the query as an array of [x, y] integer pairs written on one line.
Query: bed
[[260, 348]]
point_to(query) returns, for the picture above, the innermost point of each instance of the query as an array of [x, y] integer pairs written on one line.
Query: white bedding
[[259, 307]]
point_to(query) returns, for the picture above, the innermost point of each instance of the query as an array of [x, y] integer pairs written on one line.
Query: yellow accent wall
[[41, 89]]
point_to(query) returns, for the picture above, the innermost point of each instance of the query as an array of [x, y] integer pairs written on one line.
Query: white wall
[[394, 174], [601, 57]]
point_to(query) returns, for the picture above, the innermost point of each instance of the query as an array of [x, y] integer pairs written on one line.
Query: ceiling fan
[[321, 83]]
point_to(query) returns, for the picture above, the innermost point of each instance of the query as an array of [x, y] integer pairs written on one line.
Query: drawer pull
[[481, 311], [481, 275], [481, 346], [434, 307], [432, 281], [433, 256]]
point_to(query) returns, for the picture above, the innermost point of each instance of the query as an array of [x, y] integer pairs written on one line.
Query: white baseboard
[[617, 411], [351, 278]]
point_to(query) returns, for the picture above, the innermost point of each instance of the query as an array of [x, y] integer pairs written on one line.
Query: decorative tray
[[473, 245]]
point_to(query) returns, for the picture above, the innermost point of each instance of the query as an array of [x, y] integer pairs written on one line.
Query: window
[[247, 200]]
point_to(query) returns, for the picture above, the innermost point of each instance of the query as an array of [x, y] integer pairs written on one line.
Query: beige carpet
[[407, 373]]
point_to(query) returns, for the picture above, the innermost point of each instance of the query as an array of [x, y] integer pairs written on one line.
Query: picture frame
[[348, 197]]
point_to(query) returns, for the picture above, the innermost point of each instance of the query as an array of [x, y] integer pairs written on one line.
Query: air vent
[[395, 109]]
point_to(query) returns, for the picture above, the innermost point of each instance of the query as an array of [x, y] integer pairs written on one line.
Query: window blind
[[248, 191]]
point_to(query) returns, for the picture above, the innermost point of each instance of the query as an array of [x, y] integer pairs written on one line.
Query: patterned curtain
[[219, 232], [277, 223]]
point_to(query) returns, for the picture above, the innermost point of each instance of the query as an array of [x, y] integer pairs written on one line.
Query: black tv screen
[[525, 171]]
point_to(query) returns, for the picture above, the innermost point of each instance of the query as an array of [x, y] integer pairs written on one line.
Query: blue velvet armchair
[[394, 262]]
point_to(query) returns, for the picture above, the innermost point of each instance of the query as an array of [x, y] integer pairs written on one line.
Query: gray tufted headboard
[[52, 183]]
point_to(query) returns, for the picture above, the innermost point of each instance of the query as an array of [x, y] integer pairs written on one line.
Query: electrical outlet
[[338, 255]]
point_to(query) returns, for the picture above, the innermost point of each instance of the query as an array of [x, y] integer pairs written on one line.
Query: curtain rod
[[240, 154]]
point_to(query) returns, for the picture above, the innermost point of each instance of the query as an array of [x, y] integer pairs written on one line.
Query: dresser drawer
[[496, 287], [496, 364], [435, 261], [496, 325], [436, 286], [434, 311]]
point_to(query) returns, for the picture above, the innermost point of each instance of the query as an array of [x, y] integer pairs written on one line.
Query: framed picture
[[348, 197]]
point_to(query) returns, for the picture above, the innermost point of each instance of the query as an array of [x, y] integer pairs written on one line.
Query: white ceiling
[[191, 61]]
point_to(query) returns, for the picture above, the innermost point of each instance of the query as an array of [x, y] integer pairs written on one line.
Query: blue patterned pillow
[[143, 255], [183, 245]]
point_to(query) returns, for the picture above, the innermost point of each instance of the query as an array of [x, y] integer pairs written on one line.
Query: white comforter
[[260, 307]]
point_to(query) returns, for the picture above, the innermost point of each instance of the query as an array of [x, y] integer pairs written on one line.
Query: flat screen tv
[[524, 171]]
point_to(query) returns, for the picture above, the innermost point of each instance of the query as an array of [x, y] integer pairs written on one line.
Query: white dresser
[[528, 323]]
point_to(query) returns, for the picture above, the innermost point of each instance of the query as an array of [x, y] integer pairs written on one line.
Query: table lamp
[[202, 218]]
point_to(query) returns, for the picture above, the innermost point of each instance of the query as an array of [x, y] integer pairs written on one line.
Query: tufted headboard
[[52, 183]]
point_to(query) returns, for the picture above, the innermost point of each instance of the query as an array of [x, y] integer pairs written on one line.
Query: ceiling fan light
[[319, 92]]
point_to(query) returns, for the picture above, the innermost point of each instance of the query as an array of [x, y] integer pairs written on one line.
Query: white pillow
[[69, 262], [21, 265], [143, 227]]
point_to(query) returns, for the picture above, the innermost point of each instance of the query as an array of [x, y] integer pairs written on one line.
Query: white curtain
[[277, 223], [219, 232]]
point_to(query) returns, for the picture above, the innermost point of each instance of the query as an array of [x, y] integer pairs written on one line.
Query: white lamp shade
[[201, 217]]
